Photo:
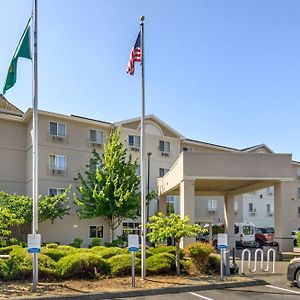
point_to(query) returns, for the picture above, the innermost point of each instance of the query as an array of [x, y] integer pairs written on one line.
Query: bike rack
[[255, 260]]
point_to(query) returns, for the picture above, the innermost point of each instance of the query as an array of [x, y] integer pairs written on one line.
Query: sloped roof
[[256, 148], [7, 108]]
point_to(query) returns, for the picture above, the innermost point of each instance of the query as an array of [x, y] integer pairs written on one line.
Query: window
[[251, 207], [96, 136], [131, 228], [211, 206], [298, 172], [268, 208], [55, 191], [57, 129], [57, 163], [298, 191], [187, 149], [96, 231], [164, 146], [94, 164], [248, 230], [134, 141], [163, 172], [138, 170]]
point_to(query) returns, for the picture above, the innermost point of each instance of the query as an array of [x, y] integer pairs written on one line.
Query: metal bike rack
[[255, 260]]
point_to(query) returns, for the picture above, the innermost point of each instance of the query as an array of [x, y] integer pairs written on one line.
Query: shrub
[[298, 239], [19, 264], [107, 252], [120, 265], [81, 265], [4, 270], [2, 243], [199, 253], [13, 241], [96, 241], [51, 245], [77, 242], [214, 262], [8, 249], [160, 263], [55, 254], [120, 241], [185, 265], [165, 249]]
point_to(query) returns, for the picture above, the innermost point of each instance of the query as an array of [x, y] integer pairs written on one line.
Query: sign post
[[222, 245], [133, 246]]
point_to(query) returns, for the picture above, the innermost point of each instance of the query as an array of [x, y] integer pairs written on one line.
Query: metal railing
[[255, 260]]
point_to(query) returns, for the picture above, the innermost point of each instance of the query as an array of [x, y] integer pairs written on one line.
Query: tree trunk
[[177, 263]]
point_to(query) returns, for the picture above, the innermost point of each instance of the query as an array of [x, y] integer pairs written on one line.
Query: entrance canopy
[[226, 173]]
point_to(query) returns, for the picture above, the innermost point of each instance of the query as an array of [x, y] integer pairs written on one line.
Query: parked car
[[293, 271], [264, 237]]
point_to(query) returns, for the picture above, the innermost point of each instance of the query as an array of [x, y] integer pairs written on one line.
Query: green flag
[[23, 50]]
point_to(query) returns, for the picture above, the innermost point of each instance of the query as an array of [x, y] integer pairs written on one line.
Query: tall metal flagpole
[[143, 158], [35, 143]]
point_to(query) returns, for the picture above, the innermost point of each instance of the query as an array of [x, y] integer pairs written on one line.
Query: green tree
[[49, 207], [111, 191], [163, 227], [7, 219]]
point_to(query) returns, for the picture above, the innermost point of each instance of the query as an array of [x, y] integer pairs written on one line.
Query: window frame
[[97, 231], [57, 130]]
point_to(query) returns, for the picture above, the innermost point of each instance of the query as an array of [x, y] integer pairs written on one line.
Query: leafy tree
[[7, 219], [163, 227], [111, 191], [49, 207]]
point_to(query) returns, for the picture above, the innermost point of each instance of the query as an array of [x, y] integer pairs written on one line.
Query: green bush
[[199, 253], [120, 241], [160, 263], [8, 249], [165, 249], [214, 262], [120, 265], [298, 239], [51, 245], [13, 241], [55, 254], [2, 243], [77, 242], [107, 252], [4, 270], [80, 265], [185, 265], [19, 265], [96, 242]]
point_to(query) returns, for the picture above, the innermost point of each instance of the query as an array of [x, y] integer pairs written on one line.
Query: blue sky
[[223, 72]]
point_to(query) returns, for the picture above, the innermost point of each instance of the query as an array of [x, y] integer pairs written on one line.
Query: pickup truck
[[264, 237]]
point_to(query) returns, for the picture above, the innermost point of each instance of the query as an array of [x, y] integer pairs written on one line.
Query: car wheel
[[258, 244], [298, 278]]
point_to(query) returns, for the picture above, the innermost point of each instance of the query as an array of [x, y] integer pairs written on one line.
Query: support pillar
[[187, 206], [229, 220], [229, 229], [162, 204], [283, 213]]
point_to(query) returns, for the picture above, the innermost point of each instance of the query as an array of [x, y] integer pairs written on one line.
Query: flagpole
[[143, 157], [35, 143]]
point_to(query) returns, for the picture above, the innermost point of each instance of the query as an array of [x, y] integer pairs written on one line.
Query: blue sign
[[34, 250], [133, 249], [222, 246]]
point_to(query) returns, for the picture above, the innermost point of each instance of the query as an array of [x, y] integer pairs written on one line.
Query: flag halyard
[[135, 55]]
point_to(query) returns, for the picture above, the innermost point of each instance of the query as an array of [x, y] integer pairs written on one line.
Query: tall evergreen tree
[[111, 190]]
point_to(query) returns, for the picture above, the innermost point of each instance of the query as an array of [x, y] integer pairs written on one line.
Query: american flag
[[135, 55]]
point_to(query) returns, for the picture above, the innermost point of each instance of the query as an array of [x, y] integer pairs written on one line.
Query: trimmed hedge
[[120, 265], [80, 265], [8, 249], [106, 252], [214, 262], [160, 263]]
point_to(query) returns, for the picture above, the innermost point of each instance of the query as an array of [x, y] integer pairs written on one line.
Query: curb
[[156, 291]]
